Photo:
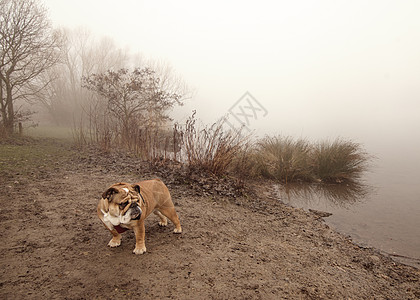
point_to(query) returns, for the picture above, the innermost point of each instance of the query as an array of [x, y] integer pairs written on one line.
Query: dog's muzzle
[[135, 211]]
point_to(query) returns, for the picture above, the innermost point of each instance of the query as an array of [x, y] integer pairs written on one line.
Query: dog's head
[[121, 203]]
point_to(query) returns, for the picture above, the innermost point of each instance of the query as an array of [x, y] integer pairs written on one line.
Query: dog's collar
[[120, 229], [142, 199]]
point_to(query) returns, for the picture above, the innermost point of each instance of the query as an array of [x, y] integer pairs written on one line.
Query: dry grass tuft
[[212, 148], [339, 161], [284, 159]]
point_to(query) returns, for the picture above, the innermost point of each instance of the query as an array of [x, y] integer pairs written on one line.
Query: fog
[[321, 69]]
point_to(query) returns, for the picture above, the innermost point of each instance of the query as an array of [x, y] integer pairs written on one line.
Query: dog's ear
[[136, 187], [109, 192]]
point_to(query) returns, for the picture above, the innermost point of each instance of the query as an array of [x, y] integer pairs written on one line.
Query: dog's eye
[[123, 205]]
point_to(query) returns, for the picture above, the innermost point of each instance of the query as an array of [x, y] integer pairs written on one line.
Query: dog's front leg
[[116, 239], [139, 231]]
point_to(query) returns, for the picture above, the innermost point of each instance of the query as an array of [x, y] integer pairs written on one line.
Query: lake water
[[384, 213]]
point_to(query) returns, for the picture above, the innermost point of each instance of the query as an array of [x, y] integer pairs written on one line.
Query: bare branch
[[28, 48]]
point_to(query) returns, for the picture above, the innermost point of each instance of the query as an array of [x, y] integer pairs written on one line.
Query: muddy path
[[54, 247]]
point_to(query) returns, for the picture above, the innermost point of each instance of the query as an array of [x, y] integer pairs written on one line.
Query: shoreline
[[334, 211]]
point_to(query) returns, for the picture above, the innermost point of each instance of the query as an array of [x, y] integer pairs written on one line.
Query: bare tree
[[82, 54], [28, 47], [135, 98], [169, 80]]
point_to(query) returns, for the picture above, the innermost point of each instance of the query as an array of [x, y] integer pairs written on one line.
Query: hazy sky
[[321, 69]]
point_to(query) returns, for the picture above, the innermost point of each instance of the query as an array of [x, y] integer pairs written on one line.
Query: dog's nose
[[135, 212]]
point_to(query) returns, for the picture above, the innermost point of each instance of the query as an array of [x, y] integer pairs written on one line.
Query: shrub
[[339, 161], [284, 159], [212, 148], [244, 165]]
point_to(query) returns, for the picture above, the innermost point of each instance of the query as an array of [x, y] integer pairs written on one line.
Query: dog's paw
[[114, 243], [178, 230], [163, 224], [139, 250]]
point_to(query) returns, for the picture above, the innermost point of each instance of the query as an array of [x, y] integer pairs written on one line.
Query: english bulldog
[[125, 206]]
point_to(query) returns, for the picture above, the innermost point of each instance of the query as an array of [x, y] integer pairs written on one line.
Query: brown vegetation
[[221, 151]]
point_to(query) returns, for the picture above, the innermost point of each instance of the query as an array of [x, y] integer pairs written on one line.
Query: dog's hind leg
[[170, 213], [163, 220]]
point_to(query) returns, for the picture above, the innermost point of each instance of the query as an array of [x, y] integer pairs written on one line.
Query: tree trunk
[[6, 107], [2, 106], [10, 113]]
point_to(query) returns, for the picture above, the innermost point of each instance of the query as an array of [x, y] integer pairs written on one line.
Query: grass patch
[[284, 159], [30, 156], [339, 161], [287, 160], [63, 133]]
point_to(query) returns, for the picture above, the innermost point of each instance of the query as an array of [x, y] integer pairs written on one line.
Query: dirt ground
[[252, 247]]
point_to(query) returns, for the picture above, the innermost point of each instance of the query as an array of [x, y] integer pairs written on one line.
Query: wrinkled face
[[122, 204]]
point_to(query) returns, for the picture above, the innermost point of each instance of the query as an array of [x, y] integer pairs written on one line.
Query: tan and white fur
[[125, 206]]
